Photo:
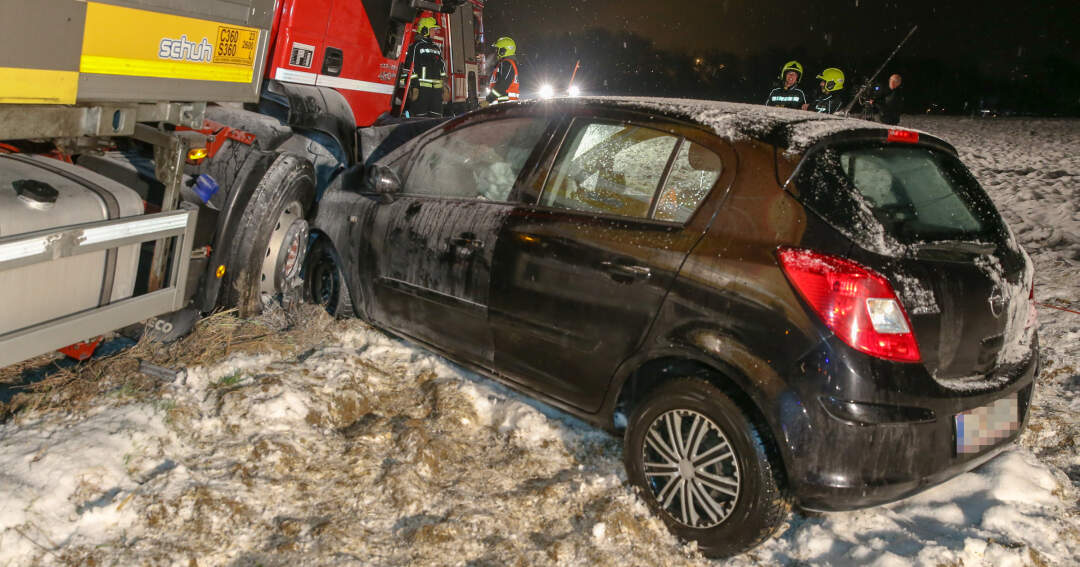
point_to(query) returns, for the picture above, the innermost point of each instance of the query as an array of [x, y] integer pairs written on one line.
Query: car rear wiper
[[957, 246]]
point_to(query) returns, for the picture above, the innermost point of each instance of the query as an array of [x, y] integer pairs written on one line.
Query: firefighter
[[425, 60], [829, 99], [504, 85], [789, 95]]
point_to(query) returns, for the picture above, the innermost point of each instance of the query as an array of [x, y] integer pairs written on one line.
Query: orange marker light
[[197, 154]]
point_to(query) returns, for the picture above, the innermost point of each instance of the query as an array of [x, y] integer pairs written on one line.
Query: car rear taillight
[[853, 301], [903, 136]]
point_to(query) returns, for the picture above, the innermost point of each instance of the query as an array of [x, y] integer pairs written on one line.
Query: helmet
[[792, 66], [505, 47], [834, 79], [425, 25]]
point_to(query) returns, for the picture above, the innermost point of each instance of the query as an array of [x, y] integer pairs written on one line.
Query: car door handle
[[465, 242], [630, 270]]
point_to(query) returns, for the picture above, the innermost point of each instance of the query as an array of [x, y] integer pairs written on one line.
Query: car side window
[[609, 167], [694, 172], [481, 161]]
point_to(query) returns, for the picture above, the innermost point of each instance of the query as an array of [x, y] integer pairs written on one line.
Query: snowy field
[[363, 450]]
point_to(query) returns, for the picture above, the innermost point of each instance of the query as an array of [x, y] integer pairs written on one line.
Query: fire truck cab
[[356, 48]]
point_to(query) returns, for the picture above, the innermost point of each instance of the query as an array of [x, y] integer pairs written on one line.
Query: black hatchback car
[[774, 306]]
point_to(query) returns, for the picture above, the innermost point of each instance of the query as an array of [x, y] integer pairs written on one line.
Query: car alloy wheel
[[704, 466], [691, 468]]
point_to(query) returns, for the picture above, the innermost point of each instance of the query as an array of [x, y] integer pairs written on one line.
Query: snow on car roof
[[795, 130]]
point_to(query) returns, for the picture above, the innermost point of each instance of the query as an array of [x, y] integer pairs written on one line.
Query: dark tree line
[[625, 63]]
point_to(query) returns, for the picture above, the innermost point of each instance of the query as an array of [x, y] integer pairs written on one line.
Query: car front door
[[435, 241], [580, 275]]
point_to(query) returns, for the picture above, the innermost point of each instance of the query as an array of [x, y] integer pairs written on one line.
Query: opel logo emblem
[[997, 302]]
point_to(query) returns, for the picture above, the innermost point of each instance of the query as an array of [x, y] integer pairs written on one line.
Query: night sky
[[996, 40]]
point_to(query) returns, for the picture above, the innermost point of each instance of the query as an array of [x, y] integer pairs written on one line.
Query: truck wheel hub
[[285, 252]]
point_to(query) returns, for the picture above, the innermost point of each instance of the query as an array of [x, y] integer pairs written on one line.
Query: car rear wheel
[[702, 465], [324, 282]]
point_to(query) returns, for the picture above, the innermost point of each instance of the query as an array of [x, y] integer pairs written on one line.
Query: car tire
[[722, 516], [272, 234], [324, 282]]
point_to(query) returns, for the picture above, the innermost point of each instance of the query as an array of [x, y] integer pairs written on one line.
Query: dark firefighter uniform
[[788, 96], [828, 103], [829, 98], [428, 73]]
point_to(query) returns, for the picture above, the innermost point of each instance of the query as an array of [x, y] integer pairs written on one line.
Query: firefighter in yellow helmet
[[789, 94], [426, 72], [830, 99], [504, 85]]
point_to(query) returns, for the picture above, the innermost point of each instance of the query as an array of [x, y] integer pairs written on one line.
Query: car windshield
[[911, 195]]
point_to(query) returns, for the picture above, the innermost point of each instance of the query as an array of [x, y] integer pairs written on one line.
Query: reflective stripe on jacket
[[789, 98]]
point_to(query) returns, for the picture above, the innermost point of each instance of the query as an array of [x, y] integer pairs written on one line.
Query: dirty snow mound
[[368, 451]]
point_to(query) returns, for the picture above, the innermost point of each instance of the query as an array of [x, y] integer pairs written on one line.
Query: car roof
[[792, 130]]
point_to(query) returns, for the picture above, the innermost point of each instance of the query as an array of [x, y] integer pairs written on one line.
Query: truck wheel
[[272, 237], [702, 466], [324, 282]]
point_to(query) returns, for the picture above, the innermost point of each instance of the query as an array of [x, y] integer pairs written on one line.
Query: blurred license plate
[[987, 426]]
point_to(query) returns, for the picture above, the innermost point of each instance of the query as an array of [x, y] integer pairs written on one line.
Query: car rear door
[[580, 275], [435, 241], [919, 217]]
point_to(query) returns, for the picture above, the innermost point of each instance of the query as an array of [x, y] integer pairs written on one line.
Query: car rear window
[[909, 195]]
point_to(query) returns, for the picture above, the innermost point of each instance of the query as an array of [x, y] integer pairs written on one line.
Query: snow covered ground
[[365, 450]]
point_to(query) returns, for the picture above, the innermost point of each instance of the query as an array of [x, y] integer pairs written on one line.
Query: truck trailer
[[159, 159]]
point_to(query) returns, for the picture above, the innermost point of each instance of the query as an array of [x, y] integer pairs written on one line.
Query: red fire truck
[[336, 45], [159, 161]]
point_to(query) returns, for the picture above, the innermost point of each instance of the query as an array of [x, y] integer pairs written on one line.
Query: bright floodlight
[[574, 90], [546, 91]]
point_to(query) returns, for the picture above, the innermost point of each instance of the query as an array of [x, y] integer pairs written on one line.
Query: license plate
[[987, 426]]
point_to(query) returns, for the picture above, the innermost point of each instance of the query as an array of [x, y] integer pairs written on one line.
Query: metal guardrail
[[50, 244]]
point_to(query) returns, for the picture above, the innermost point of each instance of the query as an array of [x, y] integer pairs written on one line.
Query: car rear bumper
[[825, 497], [844, 456]]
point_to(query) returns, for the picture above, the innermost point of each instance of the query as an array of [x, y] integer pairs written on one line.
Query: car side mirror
[[383, 180]]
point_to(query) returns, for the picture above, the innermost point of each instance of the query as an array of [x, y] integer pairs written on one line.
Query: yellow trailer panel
[[70, 51]]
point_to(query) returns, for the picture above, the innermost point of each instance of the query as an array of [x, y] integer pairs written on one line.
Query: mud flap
[[170, 327]]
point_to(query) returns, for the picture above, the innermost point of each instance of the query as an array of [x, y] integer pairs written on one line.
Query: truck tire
[[271, 237]]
